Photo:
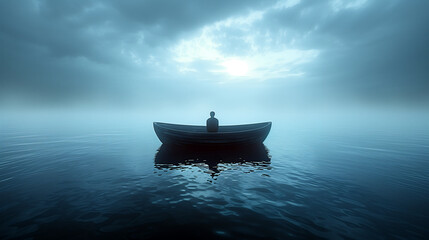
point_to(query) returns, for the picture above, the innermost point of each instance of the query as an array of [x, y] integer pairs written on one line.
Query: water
[[88, 181]]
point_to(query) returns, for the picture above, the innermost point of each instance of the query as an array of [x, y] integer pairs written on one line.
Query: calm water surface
[[110, 182]]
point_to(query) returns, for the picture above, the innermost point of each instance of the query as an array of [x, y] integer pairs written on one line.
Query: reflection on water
[[119, 184], [217, 159]]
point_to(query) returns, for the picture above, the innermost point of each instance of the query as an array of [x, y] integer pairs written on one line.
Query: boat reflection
[[173, 157]]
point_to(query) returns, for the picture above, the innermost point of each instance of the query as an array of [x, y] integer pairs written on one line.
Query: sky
[[214, 55]]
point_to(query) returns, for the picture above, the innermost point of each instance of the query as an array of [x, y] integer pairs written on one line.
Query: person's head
[[212, 114]]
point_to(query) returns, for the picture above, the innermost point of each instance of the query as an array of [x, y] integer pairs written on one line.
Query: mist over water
[[96, 176], [344, 83]]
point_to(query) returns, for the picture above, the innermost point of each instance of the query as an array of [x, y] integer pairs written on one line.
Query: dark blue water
[[90, 181]]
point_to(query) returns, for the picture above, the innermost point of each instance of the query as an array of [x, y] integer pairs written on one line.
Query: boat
[[191, 135]]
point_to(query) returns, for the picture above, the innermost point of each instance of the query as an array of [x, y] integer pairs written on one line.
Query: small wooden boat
[[188, 135]]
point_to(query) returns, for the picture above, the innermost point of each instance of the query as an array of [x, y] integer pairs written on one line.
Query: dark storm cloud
[[378, 51], [169, 18], [74, 28], [59, 51], [67, 48]]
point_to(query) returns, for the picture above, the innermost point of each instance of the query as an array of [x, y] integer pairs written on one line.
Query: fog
[[246, 60]]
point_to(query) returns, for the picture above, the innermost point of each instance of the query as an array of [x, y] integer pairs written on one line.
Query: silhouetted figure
[[212, 123]]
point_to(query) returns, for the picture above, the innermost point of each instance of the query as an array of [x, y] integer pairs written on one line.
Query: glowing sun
[[236, 67]]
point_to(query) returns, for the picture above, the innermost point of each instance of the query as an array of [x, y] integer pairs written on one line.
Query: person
[[212, 123]]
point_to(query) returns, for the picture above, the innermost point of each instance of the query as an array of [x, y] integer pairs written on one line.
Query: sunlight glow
[[255, 55], [236, 67]]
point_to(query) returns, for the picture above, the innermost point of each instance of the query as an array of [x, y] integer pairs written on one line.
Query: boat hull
[[175, 134]]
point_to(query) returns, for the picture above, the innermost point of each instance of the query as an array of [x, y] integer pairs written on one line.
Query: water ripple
[[118, 184]]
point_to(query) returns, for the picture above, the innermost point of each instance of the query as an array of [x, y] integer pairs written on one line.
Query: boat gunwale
[[265, 124]]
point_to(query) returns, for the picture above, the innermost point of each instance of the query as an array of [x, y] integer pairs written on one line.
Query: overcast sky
[[213, 53]]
